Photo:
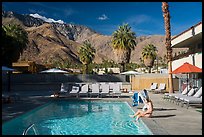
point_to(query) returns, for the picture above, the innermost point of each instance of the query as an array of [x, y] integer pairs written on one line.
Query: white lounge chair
[[74, 91], [192, 101], [100, 85], [95, 90], [153, 87], [63, 90], [178, 97], [170, 96], [198, 93], [84, 90], [111, 84], [64, 87], [105, 90], [162, 87], [195, 99], [120, 85], [116, 90]]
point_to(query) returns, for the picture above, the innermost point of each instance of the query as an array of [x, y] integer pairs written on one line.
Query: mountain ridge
[[55, 42]]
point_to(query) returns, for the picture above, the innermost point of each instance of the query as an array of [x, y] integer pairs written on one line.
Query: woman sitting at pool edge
[[146, 113]]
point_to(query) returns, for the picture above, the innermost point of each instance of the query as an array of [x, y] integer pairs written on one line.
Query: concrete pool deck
[[168, 118]]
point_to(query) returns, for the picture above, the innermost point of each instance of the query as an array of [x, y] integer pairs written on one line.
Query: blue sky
[[145, 18]]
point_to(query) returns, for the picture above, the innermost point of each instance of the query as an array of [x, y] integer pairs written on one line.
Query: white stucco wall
[[198, 60], [189, 59]]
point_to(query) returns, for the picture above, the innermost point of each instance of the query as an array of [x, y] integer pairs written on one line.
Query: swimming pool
[[63, 117]]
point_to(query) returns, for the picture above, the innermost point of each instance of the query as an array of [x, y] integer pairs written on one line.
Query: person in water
[[146, 113]]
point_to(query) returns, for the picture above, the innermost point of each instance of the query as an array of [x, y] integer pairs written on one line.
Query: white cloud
[[46, 19], [103, 17]]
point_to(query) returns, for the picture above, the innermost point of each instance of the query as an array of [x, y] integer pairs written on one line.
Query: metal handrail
[[28, 128]]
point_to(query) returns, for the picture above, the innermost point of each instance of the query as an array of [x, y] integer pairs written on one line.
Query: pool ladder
[[28, 128]]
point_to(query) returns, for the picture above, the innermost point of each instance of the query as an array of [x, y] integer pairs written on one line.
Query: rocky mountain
[[54, 42], [26, 20]]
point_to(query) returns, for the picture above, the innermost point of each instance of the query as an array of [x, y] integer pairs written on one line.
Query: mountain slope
[[46, 45]]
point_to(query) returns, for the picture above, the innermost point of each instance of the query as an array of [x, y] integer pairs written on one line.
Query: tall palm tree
[[149, 55], [86, 54], [15, 41], [123, 41], [166, 15]]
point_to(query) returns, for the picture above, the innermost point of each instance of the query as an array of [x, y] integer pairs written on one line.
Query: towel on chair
[[136, 99]]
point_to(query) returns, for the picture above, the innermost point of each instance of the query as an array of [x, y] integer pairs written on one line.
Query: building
[[191, 39]]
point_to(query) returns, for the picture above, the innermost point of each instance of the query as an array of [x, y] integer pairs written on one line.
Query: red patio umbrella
[[187, 68]]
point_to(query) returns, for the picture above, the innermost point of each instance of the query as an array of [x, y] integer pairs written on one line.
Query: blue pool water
[[78, 118]]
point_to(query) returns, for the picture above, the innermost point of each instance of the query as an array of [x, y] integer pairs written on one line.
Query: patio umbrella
[[131, 72], [7, 70], [187, 68], [54, 70]]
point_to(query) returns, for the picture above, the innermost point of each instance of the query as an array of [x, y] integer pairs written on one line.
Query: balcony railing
[[183, 55]]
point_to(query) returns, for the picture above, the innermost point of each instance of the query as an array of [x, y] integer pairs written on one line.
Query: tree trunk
[[149, 69], [166, 15], [122, 67], [171, 88], [85, 68]]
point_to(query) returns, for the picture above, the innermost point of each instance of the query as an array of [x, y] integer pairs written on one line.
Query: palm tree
[[123, 41], [86, 54], [149, 54], [15, 41], [166, 15]]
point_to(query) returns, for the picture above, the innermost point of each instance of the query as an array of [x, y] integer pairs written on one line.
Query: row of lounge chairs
[[92, 89], [189, 96], [160, 89]]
